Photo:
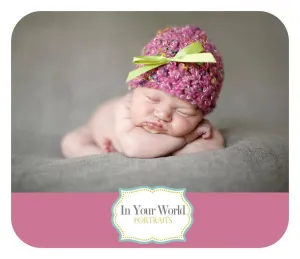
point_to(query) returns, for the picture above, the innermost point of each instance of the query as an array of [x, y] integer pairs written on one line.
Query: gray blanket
[[251, 162]]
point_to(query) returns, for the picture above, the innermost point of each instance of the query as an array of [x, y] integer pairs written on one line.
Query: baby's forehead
[[168, 97]]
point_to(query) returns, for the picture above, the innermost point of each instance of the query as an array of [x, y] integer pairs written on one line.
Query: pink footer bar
[[84, 220]]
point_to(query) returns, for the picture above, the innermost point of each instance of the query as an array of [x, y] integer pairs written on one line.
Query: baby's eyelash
[[186, 114], [182, 112], [152, 99]]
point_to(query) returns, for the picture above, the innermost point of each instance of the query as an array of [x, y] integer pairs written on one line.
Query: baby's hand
[[108, 147], [203, 130]]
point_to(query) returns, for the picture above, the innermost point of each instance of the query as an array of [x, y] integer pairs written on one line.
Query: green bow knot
[[189, 54]]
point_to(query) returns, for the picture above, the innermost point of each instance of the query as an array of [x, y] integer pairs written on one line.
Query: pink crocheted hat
[[198, 84]]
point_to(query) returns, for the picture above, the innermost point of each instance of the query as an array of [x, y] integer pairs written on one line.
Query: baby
[[172, 89]]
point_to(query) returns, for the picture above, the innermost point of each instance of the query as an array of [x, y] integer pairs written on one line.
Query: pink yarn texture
[[197, 84]]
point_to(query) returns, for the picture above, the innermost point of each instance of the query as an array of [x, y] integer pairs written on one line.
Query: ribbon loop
[[193, 48], [189, 54]]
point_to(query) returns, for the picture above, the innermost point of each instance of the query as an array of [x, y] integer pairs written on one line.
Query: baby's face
[[158, 112]]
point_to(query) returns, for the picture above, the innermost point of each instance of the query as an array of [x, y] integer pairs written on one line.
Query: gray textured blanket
[[251, 162]]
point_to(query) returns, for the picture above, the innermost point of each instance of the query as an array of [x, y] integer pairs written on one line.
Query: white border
[[285, 10]]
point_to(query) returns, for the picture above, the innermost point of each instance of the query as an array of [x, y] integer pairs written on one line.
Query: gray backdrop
[[65, 63]]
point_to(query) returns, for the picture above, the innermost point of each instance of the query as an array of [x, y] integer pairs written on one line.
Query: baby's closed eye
[[186, 112], [153, 98]]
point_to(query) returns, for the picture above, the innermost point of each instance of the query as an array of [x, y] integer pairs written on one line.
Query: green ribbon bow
[[189, 54]]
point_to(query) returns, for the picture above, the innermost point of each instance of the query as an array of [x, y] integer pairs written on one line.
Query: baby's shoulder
[[114, 107], [123, 101], [125, 98]]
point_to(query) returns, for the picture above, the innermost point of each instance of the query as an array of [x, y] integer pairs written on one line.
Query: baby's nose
[[163, 115]]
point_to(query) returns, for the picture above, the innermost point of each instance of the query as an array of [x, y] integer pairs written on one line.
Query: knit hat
[[197, 83]]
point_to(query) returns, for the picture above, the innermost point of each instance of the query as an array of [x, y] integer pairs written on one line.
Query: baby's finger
[[206, 135]]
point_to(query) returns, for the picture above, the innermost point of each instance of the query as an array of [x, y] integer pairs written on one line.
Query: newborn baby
[[146, 123], [163, 114]]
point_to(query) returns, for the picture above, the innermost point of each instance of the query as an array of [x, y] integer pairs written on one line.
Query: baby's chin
[[167, 132], [153, 131]]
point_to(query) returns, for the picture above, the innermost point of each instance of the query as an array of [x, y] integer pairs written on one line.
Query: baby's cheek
[[139, 114], [181, 127]]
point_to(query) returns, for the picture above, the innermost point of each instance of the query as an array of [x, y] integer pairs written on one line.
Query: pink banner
[[84, 220]]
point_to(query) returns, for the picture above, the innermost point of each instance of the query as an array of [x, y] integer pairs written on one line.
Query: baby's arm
[[139, 143], [79, 143], [136, 142], [211, 139]]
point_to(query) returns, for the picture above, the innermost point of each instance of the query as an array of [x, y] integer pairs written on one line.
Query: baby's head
[[159, 112], [190, 86]]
